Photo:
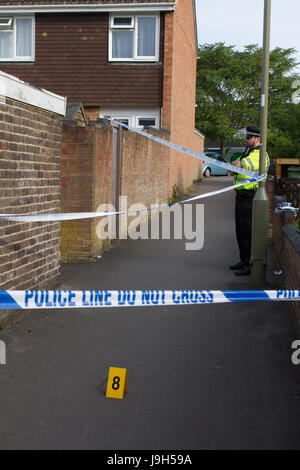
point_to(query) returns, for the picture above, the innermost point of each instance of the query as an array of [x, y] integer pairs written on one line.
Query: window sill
[[146, 62], [16, 61]]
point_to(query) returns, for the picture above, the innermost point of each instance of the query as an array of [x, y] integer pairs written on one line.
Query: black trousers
[[243, 222]]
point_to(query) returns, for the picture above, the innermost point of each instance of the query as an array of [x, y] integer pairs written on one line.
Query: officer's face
[[249, 140]]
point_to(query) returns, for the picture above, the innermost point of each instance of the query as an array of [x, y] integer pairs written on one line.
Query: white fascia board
[[199, 133], [14, 88], [167, 6], [196, 27]]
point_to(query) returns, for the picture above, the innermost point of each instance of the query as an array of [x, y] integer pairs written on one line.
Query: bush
[[176, 195]]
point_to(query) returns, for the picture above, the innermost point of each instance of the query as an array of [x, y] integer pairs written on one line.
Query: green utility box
[[294, 172]]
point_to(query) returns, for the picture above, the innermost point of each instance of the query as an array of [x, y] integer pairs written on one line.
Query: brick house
[[133, 60]]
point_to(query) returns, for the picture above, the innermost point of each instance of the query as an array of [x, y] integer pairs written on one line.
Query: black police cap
[[253, 131]]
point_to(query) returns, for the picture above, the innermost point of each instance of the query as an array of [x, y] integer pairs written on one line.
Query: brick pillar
[[168, 69], [92, 112]]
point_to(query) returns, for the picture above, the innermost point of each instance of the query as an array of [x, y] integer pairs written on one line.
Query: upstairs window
[[134, 38], [16, 38]]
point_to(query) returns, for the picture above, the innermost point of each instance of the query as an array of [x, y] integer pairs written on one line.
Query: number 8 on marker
[[117, 383]]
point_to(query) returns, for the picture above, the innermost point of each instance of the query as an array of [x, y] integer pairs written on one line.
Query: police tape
[[191, 153], [67, 216], [57, 299], [61, 217]]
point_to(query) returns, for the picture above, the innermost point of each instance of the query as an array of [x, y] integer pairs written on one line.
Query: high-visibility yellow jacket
[[250, 162]]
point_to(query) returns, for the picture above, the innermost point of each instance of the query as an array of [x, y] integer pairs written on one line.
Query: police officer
[[244, 198]]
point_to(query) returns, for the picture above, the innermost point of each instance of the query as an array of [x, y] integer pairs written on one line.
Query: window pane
[[122, 44], [146, 121], [122, 21], [5, 23], [24, 37], [146, 37], [211, 155], [6, 49]]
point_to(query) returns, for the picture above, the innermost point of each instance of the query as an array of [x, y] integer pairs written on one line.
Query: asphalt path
[[200, 377]]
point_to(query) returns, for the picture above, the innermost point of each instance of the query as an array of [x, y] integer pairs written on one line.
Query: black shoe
[[244, 271], [236, 266]]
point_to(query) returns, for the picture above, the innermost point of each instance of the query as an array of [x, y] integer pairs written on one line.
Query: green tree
[[229, 89], [284, 138]]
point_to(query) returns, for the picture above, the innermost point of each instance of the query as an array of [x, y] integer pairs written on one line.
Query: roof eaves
[[196, 26], [199, 133], [92, 7]]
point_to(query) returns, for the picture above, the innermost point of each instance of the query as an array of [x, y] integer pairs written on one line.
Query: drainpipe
[[260, 218], [116, 170]]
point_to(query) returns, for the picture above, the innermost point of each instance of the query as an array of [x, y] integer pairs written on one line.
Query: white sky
[[240, 22]]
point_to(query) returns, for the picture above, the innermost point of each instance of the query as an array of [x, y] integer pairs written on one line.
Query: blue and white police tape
[[55, 217], [191, 153], [286, 207], [45, 299], [60, 217]]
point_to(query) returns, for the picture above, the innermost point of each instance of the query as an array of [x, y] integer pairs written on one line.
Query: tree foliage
[[228, 94]]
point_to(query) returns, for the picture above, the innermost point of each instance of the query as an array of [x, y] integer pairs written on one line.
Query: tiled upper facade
[[71, 59]]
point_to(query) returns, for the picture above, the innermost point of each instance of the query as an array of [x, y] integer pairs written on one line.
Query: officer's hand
[[236, 163]]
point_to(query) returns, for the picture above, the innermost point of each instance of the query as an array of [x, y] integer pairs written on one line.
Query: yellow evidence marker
[[117, 383]]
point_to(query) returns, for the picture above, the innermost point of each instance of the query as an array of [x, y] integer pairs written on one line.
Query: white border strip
[[92, 7], [14, 88]]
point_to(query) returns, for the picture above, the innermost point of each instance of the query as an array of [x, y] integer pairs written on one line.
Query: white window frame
[[16, 58], [124, 26], [133, 115], [120, 119], [134, 28], [10, 20]]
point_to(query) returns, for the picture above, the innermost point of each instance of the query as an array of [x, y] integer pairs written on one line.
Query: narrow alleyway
[[200, 377]]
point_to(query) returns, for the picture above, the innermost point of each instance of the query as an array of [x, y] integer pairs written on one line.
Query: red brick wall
[[71, 59], [270, 188], [30, 143], [87, 176], [145, 168], [180, 92], [289, 259], [85, 183]]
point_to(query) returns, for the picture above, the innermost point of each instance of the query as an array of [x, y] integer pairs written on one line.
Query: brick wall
[[179, 93], [87, 181], [30, 148], [145, 168], [270, 188], [286, 240], [85, 184]]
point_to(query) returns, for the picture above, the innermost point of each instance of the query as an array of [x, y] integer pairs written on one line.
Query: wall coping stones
[[293, 235], [14, 88]]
